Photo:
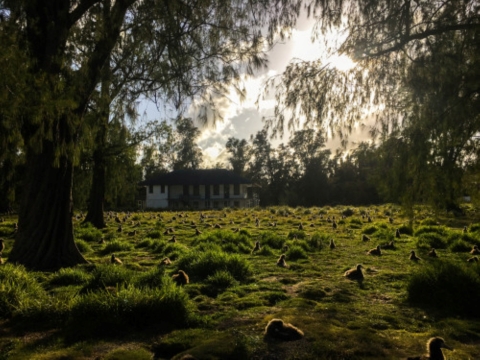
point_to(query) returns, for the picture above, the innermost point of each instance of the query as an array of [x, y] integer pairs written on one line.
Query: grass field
[[134, 310]]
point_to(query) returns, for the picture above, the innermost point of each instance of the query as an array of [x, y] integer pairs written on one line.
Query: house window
[[150, 189], [207, 204], [236, 189], [215, 204], [185, 189], [226, 191], [225, 203], [216, 189], [195, 204], [196, 190], [162, 189], [236, 204]]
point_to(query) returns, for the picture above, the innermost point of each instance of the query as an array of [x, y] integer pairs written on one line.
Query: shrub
[[155, 234], [299, 234], [145, 243], [199, 265], [447, 287], [475, 227], [266, 250], [459, 246], [219, 282]]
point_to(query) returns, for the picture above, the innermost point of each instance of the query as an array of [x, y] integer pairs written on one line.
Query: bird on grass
[[281, 261], [473, 259], [355, 273], [434, 348], [197, 232], [166, 261], [332, 244], [475, 250], [414, 256], [397, 233], [173, 239], [433, 253], [465, 229], [334, 224], [257, 246], [181, 278], [132, 233], [365, 237], [390, 245], [115, 260], [280, 330], [2, 246], [375, 251]]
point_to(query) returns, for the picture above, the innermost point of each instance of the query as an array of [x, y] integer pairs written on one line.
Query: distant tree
[[189, 155], [239, 151]]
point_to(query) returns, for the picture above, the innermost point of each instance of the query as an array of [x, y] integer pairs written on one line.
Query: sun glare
[[341, 62]]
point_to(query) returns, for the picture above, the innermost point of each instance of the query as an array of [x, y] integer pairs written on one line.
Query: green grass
[[134, 310]]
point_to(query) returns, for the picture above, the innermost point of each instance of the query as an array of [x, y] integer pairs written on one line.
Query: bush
[[199, 265], [447, 287], [369, 230], [155, 234], [405, 230], [424, 229], [219, 282], [299, 234], [460, 246], [152, 279]]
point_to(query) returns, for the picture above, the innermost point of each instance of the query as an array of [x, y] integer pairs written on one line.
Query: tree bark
[[97, 191], [45, 231]]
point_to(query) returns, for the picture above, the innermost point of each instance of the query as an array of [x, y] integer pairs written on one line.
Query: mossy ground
[[341, 319]]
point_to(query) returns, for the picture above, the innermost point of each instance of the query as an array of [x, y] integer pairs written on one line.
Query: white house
[[199, 189]]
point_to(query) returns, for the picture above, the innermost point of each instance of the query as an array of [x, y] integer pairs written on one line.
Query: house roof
[[197, 177]]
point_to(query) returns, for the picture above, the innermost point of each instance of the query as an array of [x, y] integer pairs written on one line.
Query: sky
[[241, 119]]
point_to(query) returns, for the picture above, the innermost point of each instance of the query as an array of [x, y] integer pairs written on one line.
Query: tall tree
[[239, 151], [394, 43], [60, 80], [189, 155]]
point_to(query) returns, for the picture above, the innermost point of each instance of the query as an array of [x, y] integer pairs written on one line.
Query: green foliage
[[299, 234], [153, 278], [265, 250], [199, 265], [155, 234], [88, 233], [70, 276], [296, 252], [272, 239], [448, 287], [117, 246], [83, 246], [405, 230], [110, 275], [108, 313], [19, 290], [369, 230], [348, 212], [431, 240], [317, 241], [440, 230]]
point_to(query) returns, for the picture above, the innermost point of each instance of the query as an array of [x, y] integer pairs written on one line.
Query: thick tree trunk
[[45, 231], [97, 191]]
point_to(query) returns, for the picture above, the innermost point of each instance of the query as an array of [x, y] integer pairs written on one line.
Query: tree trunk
[[97, 191], [45, 231]]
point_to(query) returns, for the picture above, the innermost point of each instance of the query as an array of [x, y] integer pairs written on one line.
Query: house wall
[[157, 199], [173, 197]]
